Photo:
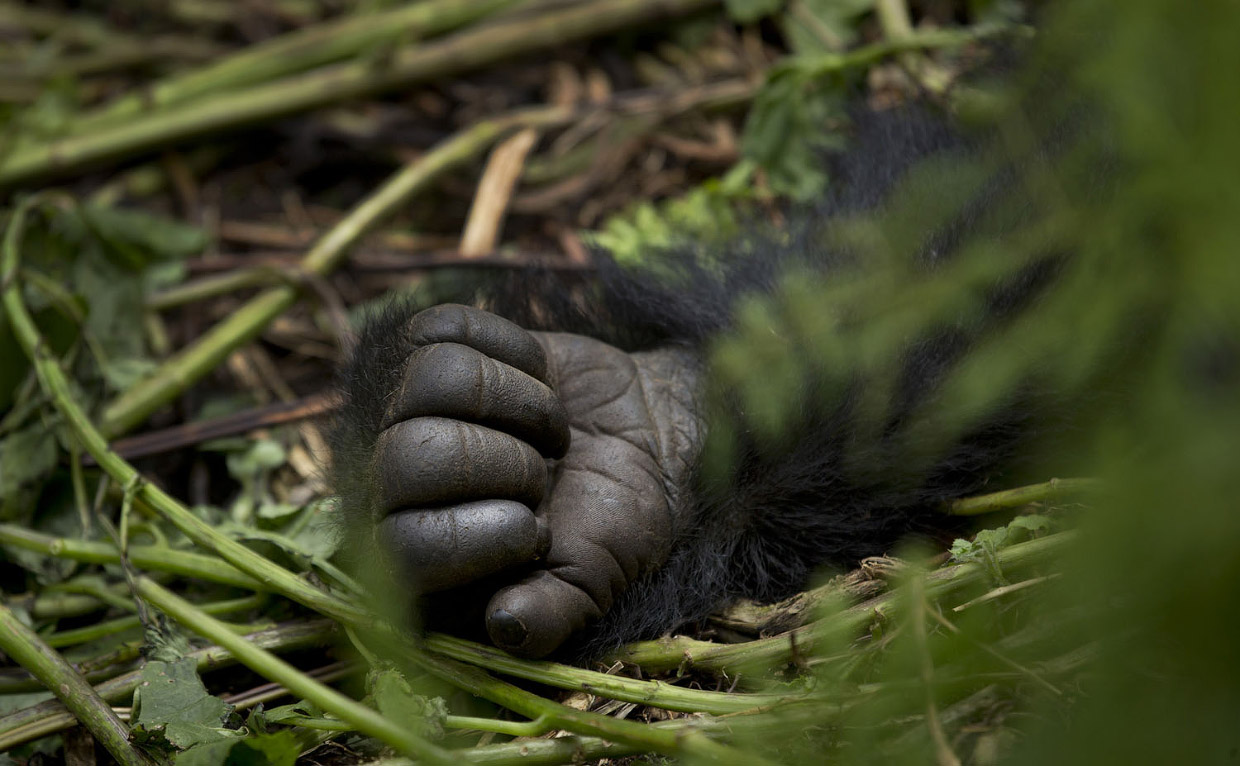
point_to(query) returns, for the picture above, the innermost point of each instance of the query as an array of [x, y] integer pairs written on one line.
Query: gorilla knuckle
[[483, 331], [428, 461], [441, 548], [450, 380]]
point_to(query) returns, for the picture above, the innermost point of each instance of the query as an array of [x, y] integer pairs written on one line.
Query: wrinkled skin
[[552, 459]]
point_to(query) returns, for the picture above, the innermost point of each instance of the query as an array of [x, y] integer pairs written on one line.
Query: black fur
[[840, 488]]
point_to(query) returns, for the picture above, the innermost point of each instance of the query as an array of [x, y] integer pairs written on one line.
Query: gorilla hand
[[502, 447]]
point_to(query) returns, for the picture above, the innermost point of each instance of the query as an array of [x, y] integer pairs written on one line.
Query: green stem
[[182, 563], [84, 29], [24, 647], [297, 51], [653, 693], [669, 654], [46, 718], [57, 605], [271, 667], [54, 603], [1053, 490], [215, 285], [462, 52], [688, 744], [120, 625], [511, 728]]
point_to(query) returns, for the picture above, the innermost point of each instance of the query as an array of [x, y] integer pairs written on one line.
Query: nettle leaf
[[13, 364], [257, 456], [309, 550], [822, 26], [396, 700], [789, 127], [124, 372], [107, 259], [708, 213], [139, 238], [318, 534], [279, 748], [1034, 525], [26, 456], [173, 710], [287, 713], [115, 297]]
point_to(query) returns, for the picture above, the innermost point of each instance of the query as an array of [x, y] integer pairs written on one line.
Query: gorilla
[[536, 469]]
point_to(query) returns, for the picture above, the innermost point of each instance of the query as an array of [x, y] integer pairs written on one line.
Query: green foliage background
[[1142, 324], [1138, 626]]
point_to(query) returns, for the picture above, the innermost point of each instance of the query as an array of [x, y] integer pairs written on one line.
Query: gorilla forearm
[[556, 477]]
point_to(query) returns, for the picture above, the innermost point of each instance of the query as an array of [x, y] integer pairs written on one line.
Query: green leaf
[[279, 748], [788, 128], [395, 699], [264, 454], [831, 26], [1033, 523], [140, 238], [707, 214], [123, 373], [747, 11], [13, 364], [172, 708], [26, 456]]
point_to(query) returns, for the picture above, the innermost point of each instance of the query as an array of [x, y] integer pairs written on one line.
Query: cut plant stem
[[653, 693], [672, 653], [297, 51], [23, 646], [453, 55], [647, 738], [120, 625]]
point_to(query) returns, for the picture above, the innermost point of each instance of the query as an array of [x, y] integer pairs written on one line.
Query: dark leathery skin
[[438, 461], [451, 380], [470, 443], [609, 510], [492, 335], [484, 537]]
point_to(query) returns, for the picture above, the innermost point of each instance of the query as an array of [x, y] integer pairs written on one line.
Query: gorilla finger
[[441, 548], [436, 461], [534, 617], [491, 334], [455, 381]]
